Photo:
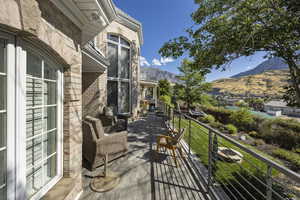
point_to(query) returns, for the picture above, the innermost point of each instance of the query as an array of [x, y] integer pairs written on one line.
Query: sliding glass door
[[30, 120], [41, 122], [3, 119]]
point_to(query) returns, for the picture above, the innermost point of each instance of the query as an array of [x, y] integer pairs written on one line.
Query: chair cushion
[[97, 125], [162, 141]]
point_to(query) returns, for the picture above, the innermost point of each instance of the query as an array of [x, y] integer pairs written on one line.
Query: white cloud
[[165, 61], [144, 62], [156, 62]]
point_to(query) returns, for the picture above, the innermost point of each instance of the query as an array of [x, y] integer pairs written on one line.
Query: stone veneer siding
[[132, 36], [94, 92], [41, 22]]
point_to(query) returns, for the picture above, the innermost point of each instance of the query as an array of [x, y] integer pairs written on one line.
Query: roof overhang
[[131, 23], [91, 16], [148, 83], [92, 60]]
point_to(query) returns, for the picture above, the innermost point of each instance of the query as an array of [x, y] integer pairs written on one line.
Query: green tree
[[242, 118], [192, 85], [164, 87], [228, 29], [256, 103], [290, 96]]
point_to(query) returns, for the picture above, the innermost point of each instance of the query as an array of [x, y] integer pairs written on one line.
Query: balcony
[[201, 174]]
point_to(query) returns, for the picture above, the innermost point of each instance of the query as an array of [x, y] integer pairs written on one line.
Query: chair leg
[[180, 151], [175, 159]]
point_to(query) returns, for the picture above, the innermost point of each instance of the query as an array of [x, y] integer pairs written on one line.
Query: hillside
[[270, 64], [154, 74], [269, 83]]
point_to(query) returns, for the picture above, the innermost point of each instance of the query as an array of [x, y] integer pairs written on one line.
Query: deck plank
[[146, 174]]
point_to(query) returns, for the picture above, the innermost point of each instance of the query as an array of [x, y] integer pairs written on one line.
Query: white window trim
[[118, 79], [16, 118]]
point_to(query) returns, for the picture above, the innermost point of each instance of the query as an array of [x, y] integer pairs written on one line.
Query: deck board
[[145, 174]]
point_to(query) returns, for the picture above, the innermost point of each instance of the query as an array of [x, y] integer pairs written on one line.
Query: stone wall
[[131, 36], [42, 23], [94, 93]]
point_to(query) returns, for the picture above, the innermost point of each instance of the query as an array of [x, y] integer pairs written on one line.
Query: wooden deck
[[146, 175]]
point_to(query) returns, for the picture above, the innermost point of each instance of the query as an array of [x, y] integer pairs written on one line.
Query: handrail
[[212, 135], [295, 176]]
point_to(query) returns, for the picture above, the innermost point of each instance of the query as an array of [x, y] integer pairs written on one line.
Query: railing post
[[173, 118], [179, 121], [210, 149], [190, 132], [269, 182]]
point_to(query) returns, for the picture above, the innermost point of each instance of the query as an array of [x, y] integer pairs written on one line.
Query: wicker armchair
[[96, 143]]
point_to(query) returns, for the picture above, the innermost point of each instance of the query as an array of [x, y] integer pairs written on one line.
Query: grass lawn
[[242, 175]]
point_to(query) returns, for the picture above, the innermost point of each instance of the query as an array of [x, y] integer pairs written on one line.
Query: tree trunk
[[295, 77]]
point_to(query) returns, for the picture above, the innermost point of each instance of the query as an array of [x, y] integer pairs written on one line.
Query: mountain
[[274, 63], [154, 74], [268, 83]]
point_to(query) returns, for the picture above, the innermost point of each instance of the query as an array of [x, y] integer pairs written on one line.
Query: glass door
[[41, 123], [3, 119]]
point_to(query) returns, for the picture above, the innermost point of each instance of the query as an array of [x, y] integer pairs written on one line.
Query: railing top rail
[[293, 175]]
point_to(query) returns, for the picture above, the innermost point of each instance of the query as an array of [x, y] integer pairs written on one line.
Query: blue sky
[[166, 19]]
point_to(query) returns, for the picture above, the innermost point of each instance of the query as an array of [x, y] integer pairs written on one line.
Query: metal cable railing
[[251, 175]]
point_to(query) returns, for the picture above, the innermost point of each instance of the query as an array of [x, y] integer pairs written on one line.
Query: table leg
[[105, 164]]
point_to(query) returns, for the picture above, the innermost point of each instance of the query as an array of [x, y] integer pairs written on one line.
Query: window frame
[[27, 46], [16, 116], [10, 117], [118, 79]]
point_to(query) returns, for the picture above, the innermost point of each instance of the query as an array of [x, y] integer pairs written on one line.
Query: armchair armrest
[[168, 138], [113, 143]]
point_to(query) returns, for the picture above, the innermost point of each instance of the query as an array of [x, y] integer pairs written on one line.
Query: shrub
[[166, 99], [208, 119], [221, 114], [258, 142], [242, 119], [231, 129], [216, 125], [253, 134], [296, 150], [289, 156], [284, 133]]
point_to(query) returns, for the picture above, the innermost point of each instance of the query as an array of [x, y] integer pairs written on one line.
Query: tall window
[[119, 74], [30, 120], [41, 123]]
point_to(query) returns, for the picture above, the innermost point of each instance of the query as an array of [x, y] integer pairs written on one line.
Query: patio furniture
[[99, 146], [110, 121], [124, 117], [171, 130], [171, 143]]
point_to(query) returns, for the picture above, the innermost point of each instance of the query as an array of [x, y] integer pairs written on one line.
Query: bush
[[216, 125], [242, 118], [221, 114], [166, 99], [253, 134], [291, 157], [208, 119], [284, 133], [231, 129], [258, 142]]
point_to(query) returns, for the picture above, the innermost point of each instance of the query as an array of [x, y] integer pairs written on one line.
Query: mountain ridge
[[274, 63], [155, 74]]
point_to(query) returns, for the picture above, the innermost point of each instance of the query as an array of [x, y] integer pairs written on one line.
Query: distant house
[[149, 93], [274, 107]]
